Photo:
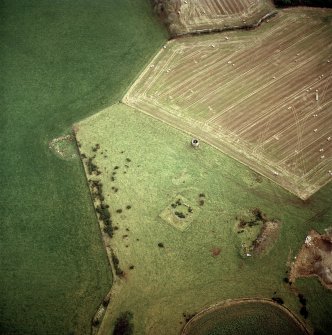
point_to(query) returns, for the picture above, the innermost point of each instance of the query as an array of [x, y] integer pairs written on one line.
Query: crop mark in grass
[[64, 147], [180, 213], [257, 233]]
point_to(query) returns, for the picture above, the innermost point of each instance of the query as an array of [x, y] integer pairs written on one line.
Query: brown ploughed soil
[[315, 258]]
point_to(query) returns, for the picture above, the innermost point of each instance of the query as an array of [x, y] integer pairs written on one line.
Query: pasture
[[261, 96], [170, 273], [59, 62]]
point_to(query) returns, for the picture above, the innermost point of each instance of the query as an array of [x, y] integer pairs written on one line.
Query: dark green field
[[246, 318], [60, 61]]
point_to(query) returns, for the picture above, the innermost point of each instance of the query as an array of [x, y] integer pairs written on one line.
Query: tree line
[[312, 3]]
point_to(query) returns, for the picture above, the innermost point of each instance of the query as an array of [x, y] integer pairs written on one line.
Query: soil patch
[[266, 238], [315, 258]]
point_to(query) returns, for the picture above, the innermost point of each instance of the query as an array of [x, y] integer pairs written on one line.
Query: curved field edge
[[182, 275], [191, 326], [60, 62]]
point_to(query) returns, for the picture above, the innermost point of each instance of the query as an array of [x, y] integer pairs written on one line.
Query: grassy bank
[[59, 62], [145, 167]]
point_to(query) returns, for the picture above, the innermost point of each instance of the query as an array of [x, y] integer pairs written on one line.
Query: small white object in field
[[274, 77], [248, 255], [315, 130], [307, 240], [164, 46], [329, 138], [275, 173], [330, 172], [321, 150], [195, 142], [226, 38], [233, 64], [316, 96], [229, 62], [290, 107], [322, 156]]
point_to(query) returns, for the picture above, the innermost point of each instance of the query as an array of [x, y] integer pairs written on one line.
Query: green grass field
[[59, 62], [151, 165]]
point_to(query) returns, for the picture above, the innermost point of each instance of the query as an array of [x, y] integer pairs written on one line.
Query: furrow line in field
[[252, 93]]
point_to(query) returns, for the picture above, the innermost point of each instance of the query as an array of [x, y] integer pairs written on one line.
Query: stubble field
[[261, 96], [196, 15]]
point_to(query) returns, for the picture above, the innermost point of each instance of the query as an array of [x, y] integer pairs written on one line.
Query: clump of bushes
[[201, 199], [188, 316], [257, 217], [92, 167], [303, 311], [278, 300], [109, 230], [119, 272], [180, 215], [102, 209], [161, 245], [124, 324], [96, 147]]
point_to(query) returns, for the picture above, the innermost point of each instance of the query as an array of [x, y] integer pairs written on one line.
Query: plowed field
[[197, 15], [264, 97]]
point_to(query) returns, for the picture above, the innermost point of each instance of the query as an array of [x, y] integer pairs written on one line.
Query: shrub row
[[103, 209], [119, 272], [313, 3]]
